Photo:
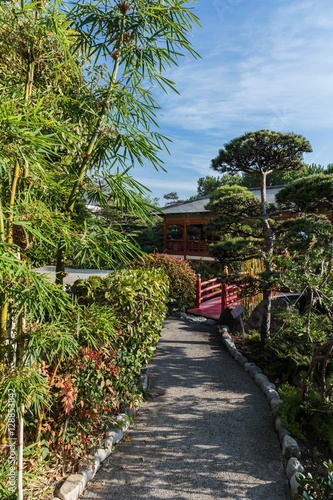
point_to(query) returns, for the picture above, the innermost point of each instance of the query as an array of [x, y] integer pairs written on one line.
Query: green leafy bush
[[288, 354], [290, 350], [91, 365], [315, 412], [120, 326], [181, 275], [290, 410], [316, 487]]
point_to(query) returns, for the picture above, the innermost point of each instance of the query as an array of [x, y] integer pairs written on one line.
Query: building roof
[[198, 204]]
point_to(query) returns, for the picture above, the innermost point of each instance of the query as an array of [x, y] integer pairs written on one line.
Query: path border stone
[[290, 449], [75, 484]]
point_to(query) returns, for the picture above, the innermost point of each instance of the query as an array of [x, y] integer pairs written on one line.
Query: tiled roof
[[198, 204]]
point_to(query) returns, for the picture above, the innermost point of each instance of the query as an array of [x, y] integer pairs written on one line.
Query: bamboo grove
[[77, 113]]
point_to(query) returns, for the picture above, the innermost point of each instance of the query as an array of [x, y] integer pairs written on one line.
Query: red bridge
[[213, 296]]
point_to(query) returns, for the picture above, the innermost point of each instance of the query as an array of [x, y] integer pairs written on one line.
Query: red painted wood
[[209, 295], [208, 288], [224, 296], [209, 309], [185, 239], [198, 294], [213, 280]]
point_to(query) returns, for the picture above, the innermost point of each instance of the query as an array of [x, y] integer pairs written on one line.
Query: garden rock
[[102, 453], [283, 432], [290, 447], [260, 379], [269, 391], [275, 404], [278, 423], [241, 359], [252, 369], [226, 318], [294, 484], [131, 411], [231, 347], [294, 466], [88, 473], [123, 421], [224, 332], [72, 487], [257, 318], [116, 434]]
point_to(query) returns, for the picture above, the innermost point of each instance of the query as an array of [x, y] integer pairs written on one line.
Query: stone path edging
[[76, 483], [290, 448]]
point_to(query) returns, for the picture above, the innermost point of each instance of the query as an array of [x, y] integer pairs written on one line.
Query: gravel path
[[73, 274], [205, 433]]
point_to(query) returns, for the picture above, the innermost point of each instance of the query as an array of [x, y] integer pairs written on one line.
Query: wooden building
[[184, 232]]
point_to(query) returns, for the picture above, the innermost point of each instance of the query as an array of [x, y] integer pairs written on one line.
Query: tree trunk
[[267, 233], [3, 301]]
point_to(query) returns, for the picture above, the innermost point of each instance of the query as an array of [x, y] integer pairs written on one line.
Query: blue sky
[[265, 64]]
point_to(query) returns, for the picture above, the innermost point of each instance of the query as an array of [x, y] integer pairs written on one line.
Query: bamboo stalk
[[60, 266], [2, 224], [12, 201], [3, 328], [20, 457], [27, 92], [3, 324], [3, 303], [92, 142], [16, 174], [20, 347]]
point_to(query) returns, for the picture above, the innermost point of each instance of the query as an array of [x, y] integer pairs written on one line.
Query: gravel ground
[[73, 274], [204, 433]]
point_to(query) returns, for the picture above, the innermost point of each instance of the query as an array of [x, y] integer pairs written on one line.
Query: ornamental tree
[[263, 152], [236, 212], [173, 197], [308, 194], [306, 238], [208, 184]]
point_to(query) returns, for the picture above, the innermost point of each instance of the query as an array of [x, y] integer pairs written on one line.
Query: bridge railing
[[213, 288]]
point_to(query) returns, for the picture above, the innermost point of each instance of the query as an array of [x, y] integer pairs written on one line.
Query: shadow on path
[[204, 433]]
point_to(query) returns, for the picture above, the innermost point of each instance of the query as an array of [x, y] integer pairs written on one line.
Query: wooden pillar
[[165, 235], [224, 295], [198, 295], [185, 238]]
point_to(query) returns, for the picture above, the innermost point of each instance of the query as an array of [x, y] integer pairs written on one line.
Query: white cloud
[[284, 71], [265, 65]]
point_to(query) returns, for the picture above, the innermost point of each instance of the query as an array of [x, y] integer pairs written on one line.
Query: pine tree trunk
[[267, 290]]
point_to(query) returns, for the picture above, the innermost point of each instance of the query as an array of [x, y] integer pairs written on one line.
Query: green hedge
[[125, 311], [108, 339], [137, 298], [181, 275]]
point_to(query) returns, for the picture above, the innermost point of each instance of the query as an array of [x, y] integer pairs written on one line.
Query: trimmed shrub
[[115, 327], [137, 298], [181, 275]]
